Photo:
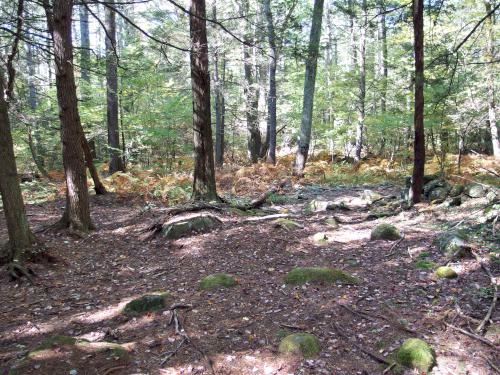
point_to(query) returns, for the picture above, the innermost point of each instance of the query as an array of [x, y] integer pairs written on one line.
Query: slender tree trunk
[[204, 172], [490, 57], [309, 84], [219, 103], [20, 235], [250, 91], [385, 72], [353, 56], [362, 84], [115, 160], [271, 96], [77, 213], [419, 140], [84, 45]]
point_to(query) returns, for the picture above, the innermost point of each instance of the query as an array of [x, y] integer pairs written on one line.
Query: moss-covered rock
[[196, 224], [317, 206], [302, 275], [331, 222], [444, 272], [286, 224], [53, 342], [216, 281], [385, 232], [146, 303], [303, 344], [320, 238], [453, 244], [435, 185], [456, 190], [438, 194], [417, 354]]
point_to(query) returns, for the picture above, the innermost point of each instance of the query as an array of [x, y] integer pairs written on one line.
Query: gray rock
[[434, 185], [475, 191], [371, 196], [438, 194], [456, 190], [453, 244], [196, 224]]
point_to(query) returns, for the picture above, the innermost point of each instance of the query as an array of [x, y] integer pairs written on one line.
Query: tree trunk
[[250, 91], [115, 160], [271, 96], [20, 235], [219, 105], [383, 59], [84, 45], [309, 83], [77, 213], [362, 83], [418, 118], [352, 36], [204, 172], [490, 54]]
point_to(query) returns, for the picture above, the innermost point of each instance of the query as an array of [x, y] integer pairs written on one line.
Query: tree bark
[[271, 96], [115, 160], [362, 83], [77, 212], [418, 118], [219, 104], [250, 91], [20, 236], [204, 187], [84, 44], [490, 57], [309, 84], [383, 56]]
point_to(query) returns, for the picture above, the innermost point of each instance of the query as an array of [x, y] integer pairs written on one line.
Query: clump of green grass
[[216, 281], [424, 264], [304, 275]]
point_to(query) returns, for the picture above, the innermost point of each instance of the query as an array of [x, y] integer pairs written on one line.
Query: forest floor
[[237, 330]]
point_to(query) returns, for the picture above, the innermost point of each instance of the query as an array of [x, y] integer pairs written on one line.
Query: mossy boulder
[[385, 232], [332, 223], [286, 224], [217, 281], [320, 238], [146, 303], [416, 353], [438, 195], [453, 244], [438, 184], [475, 191], [302, 275], [196, 224], [303, 344], [456, 190], [444, 272]]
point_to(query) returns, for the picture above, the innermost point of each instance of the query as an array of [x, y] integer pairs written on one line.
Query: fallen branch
[[471, 335], [395, 245], [492, 365], [267, 217], [366, 351], [487, 317]]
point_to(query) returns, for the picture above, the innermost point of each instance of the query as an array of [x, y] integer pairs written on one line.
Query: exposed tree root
[[16, 271], [471, 335]]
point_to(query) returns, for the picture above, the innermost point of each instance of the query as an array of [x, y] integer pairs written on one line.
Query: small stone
[[73, 372], [385, 232], [475, 191], [444, 272]]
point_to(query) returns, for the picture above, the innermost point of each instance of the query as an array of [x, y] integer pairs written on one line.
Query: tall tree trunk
[[36, 148], [362, 83], [250, 91], [77, 213], [271, 95], [115, 160], [309, 84], [204, 172], [353, 56], [84, 44], [418, 118], [219, 104], [20, 235], [490, 57], [384, 69]]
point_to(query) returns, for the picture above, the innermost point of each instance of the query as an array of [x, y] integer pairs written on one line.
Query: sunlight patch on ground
[[347, 234]]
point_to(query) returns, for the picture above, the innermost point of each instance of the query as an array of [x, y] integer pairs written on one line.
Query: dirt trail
[[237, 330]]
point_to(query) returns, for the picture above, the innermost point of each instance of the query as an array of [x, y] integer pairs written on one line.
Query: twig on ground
[[389, 368], [493, 282], [492, 365], [113, 369], [366, 351], [393, 248], [267, 217], [470, 334]]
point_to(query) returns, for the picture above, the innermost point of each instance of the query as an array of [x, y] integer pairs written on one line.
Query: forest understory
[[70, 320]]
